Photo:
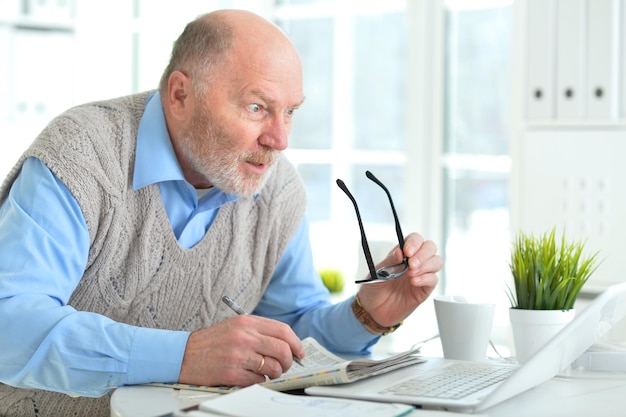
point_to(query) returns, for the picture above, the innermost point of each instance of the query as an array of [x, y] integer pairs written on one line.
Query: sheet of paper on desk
[[248, 402]]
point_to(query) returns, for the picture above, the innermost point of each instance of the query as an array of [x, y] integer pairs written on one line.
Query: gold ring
[[261, 365]]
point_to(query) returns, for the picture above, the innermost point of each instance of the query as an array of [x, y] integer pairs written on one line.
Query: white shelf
[[578, 125], [64, 25]]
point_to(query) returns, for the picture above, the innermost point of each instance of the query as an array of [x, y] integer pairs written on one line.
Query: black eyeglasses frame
[[385, 273]]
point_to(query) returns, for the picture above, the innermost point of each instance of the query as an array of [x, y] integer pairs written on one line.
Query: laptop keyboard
[[452, 382]]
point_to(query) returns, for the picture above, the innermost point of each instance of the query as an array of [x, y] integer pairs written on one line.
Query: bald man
[[127, 220]]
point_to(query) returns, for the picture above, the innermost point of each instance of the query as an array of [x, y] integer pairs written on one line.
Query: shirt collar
[[154, 148]]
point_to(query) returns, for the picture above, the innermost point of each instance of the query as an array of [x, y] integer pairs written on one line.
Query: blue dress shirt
[[44, 243]]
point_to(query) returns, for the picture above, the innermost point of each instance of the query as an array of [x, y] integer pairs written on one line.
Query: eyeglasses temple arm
[[366, 248], [393, 208]]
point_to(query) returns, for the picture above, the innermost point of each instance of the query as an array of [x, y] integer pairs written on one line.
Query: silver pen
[[240, 311]]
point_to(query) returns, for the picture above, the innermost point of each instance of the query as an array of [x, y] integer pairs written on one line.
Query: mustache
[[265, 157]]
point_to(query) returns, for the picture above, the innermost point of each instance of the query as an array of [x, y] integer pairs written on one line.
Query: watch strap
[[368, 322]]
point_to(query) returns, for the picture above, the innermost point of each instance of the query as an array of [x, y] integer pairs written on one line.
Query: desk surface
[[589, 394]]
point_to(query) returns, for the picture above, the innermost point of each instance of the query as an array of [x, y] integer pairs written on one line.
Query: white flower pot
[[534, 328]]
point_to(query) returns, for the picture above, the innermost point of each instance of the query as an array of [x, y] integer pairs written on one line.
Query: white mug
[[464, 328]]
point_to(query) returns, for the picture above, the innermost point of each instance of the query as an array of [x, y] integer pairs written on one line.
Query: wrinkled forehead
[[274, 67]]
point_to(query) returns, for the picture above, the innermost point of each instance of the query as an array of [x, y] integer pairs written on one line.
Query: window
[[476, 159], [355, 56], [354, 119]]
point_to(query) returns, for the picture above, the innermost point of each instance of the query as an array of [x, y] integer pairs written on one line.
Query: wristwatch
[[368, 322]]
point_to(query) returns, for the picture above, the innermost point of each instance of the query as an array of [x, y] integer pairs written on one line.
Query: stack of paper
[[256, 400]]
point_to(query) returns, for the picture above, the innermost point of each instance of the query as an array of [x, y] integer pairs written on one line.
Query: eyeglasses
[[385, 273]]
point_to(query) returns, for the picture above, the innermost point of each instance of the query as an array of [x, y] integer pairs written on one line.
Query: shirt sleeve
[[297, 296], [46, 343]]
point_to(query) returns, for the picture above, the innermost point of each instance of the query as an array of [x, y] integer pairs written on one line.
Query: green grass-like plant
[[546, 275]]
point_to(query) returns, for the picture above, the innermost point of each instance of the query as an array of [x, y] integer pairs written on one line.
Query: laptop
[[555, 356]]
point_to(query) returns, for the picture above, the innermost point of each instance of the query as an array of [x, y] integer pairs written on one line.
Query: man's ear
[[180, 95]]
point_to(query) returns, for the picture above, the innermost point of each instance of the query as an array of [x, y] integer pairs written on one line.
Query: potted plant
[[548, 275]]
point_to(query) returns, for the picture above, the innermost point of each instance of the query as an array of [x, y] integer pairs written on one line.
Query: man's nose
[[276, 134]]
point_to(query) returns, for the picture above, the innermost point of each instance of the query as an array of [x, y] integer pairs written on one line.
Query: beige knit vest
[[136, 272]]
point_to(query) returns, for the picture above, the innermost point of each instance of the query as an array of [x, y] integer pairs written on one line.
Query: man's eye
[[255, 108], [290, 112]]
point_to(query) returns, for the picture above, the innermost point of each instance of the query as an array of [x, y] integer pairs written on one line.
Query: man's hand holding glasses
[[402, 281]]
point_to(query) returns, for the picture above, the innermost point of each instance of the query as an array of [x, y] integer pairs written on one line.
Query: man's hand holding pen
[[239, 310], [239, 351]]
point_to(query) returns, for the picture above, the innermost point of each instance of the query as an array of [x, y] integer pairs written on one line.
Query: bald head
[[209, 40], [228, 96]]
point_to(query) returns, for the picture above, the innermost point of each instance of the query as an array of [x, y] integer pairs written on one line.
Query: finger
[[279, 357], [424, 256], [412, 244], [269, 366], [282, 339], [430, 265], [258, 370], [429, 280]]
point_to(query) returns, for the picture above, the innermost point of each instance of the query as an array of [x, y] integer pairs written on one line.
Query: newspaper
[[321, 367]]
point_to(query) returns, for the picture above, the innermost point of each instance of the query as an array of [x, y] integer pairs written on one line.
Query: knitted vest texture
[[136, 272]]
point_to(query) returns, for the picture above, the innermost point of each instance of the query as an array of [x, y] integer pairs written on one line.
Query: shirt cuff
[[354, 337], [156, 355]]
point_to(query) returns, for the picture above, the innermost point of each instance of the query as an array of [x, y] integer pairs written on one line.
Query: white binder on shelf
[[622, 59], [48, 9], [540, 28], [602, 59], [570, 54]]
